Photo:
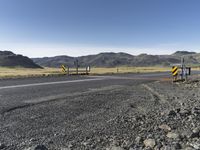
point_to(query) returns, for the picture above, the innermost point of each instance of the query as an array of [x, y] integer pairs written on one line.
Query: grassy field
[[129, 70], [17, 72]]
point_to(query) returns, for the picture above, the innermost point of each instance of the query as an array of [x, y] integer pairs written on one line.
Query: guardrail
[[75, 71]]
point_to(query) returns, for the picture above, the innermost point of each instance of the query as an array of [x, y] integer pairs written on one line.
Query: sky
[[38, 28]]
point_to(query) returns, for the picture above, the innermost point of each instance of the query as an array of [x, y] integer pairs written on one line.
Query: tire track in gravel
[[156, 96]]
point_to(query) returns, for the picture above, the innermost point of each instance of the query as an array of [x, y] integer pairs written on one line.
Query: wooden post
[[77, 69], [68, 70], [86, 70]]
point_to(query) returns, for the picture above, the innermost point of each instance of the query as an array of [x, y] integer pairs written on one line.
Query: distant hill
[[181, 53], [56, 61], [120, 59], [9, 59]]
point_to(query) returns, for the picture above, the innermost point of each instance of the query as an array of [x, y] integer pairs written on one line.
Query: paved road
[[16, 93], [55, 111]]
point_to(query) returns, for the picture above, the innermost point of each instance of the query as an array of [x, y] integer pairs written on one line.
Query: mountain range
[[111, 59]]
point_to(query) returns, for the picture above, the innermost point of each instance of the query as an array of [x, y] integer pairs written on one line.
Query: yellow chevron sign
[[174, 70], [63, 68]]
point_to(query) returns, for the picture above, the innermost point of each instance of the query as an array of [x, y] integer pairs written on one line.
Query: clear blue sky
[[39, 28]]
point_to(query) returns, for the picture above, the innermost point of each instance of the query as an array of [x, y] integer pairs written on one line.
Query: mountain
[[120, 59], [106, 59], [182, 53], [9, 59], [56, 61]]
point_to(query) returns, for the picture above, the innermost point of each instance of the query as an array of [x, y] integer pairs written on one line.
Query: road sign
[[174, 70], [88, 68], [63, 68]]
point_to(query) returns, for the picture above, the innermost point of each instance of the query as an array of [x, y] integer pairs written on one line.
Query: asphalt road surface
[[67, 112], [17, 93]]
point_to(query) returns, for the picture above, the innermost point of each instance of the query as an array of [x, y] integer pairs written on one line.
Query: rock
[[185, 112], [177, 146], [172, 135], [65, 149], [40, 147], [195, 145], [126, 144], [191, 134], [2, 146], [116, 148], [189, 148], [196, 130], [138, 140], [172, 113], [167, 148], [165, 127], [147, 148], [194, 135], [186, 133], [195, 110], [149, 143]]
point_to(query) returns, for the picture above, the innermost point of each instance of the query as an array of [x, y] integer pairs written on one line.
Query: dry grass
[[16, 72], [129, 70]]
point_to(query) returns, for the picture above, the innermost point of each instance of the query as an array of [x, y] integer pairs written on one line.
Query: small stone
[[165, 127], [195, 110], [178, 110], [189, 148], [149, 143], [138, 140], [194, 133], [167, 148], [185, 112], [195, 145], [172, 113], [172, 135], [32, 140], [177, 146], [186, 133], [85, 143], [196, 130], [116, 148], [40, 147], [65, 149], [2, 146]]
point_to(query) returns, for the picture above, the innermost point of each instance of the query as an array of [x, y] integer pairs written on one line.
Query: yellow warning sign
[[63, 68], [174, 70]]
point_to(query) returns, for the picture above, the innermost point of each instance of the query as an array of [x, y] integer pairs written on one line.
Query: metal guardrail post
[[68, 70]]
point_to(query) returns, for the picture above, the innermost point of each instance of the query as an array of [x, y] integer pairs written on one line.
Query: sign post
[[63, 68], [174, 72], [183, 73], [76, 65]]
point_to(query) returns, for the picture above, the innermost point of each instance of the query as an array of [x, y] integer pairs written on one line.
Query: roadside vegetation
[[128, 70], [6, 72]]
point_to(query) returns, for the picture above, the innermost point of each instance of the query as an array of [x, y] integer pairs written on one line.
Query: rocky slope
[[9, 59]]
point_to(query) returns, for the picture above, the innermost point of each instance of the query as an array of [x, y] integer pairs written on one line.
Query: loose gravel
[[150, 116]]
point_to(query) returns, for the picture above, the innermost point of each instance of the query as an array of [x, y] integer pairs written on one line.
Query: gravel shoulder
[[148, 115]]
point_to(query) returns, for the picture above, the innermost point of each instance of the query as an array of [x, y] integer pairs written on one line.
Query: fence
[[75, 71]]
